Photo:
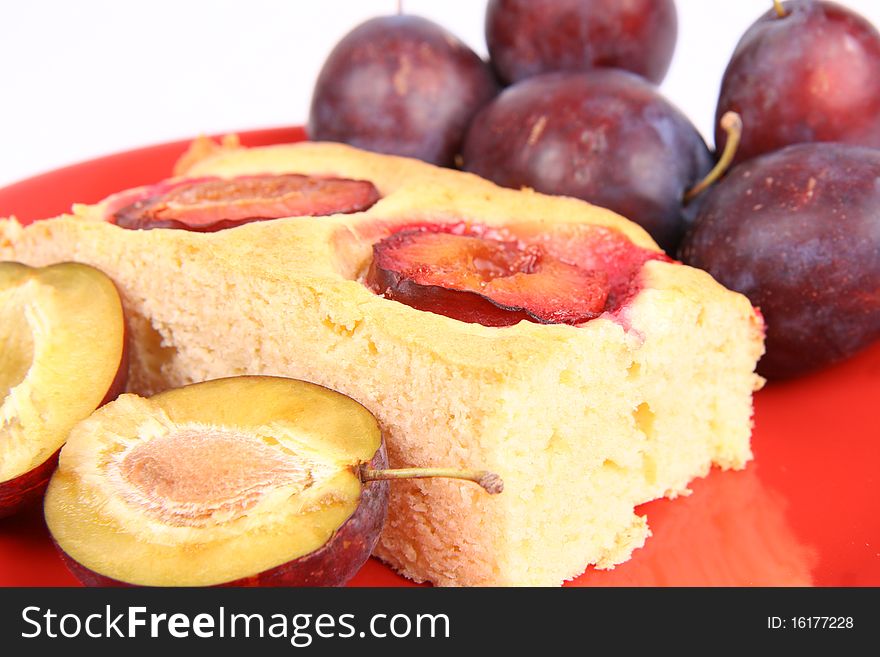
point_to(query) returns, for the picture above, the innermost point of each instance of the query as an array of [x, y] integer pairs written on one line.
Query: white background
[[83, 78]]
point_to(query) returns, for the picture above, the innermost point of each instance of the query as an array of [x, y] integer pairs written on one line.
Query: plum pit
[[53, 373], [189, 476]]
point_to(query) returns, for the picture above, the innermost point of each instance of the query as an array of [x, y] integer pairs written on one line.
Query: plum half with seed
[[242, 481], [400, 85], [529, 37], [62, 354], [798, 232], [805, 71], [606, 136]]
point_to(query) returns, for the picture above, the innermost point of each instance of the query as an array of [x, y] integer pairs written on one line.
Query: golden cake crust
[[333, 252]]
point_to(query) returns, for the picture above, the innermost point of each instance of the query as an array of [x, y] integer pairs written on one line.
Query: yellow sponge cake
[[583, 418]]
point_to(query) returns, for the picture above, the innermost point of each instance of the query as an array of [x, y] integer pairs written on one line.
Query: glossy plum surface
[[400, 85], [810, 75], [606, 136], [529, 37], [798, 232]]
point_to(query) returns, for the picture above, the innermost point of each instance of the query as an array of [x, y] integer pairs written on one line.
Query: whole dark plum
[[606, 136], [401, 85], [810, 75], [798, 232], [528, 37]]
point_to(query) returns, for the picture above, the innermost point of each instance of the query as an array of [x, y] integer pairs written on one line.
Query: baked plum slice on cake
[[495, 278], [212, 204], [192, 487], [62, 354]]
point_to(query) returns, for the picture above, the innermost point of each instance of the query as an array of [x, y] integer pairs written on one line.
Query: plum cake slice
[[539, 337]]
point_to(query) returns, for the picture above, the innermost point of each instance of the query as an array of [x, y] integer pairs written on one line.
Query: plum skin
[[798, 232], [808, 76], [25, 489], [400, 85], [529, 37], [605, 136]]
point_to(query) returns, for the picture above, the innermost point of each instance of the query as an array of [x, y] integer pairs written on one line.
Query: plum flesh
[[497, 278], [241, 481]]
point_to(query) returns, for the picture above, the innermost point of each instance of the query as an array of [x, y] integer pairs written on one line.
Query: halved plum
[[493, 278], [209, 205], [243, 481], [62, 354]]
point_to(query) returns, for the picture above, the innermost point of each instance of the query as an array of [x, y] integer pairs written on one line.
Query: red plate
[[805, 512]]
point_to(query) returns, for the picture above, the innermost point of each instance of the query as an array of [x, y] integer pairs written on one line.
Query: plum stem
[[731, 123], [399, 7], [490, 481], [780, 10]]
